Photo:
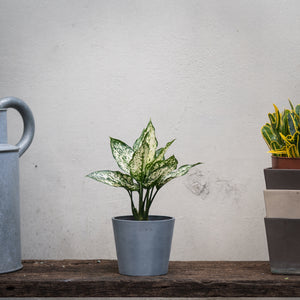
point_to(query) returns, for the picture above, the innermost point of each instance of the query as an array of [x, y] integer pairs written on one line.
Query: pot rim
[[274, 169], [287, 219], [129, 219], [284, 158], [279, 191]]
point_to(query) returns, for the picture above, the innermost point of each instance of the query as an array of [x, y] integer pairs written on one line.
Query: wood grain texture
[[92, 278]]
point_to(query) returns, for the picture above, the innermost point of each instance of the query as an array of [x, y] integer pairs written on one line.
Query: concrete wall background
[[206, 72]]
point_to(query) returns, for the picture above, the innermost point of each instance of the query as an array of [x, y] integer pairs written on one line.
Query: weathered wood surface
[[92, 278]]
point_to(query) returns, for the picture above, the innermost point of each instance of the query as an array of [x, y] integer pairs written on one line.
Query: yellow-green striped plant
[[282, 134], [145, 170]]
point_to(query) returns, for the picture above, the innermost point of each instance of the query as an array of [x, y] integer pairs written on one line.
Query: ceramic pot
[[282, 204], [285, 163], [143, 247], [288, 179], [283, 245]]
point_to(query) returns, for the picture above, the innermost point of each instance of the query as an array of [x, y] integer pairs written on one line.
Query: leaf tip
[[150, 124], [291, 104]]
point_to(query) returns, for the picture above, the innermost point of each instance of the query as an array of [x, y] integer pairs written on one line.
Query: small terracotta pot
[[285, 163]]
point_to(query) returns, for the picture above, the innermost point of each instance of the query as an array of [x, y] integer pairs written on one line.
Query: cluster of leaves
[[282, 134], [146, 169]]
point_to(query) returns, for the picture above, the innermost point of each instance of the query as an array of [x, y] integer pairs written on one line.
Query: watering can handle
[[28, 120]]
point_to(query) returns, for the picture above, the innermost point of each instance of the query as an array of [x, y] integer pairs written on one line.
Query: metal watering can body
[[10, 239]]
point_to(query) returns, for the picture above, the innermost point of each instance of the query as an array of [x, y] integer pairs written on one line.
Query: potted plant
[[143, 241], [282, 136], [282, 197]]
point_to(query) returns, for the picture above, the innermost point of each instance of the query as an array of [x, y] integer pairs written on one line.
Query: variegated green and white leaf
[[122, 153], [151, 141], [160, 155], [158, 151], [114, 178], [151, 137], [159, 170], [137, 144], [138, 163], [177, 173]]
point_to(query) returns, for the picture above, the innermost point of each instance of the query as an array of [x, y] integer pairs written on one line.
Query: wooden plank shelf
[[92, 278]]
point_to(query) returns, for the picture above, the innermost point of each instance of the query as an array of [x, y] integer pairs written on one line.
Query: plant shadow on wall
[[207, 183], [282, 196], [143, 241]]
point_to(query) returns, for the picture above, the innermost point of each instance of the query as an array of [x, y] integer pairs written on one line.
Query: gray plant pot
[[278, 179], [282, 222], [143, 247], [283, 245]]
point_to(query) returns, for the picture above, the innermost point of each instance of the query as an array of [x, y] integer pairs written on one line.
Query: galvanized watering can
[[10, 244]]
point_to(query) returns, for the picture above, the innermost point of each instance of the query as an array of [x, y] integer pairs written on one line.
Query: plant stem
[[151, 193], [149, 202], [141, 210], [145, 204], [133, 209], [154, 195]]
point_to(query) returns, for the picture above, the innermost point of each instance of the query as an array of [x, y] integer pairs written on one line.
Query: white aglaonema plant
[[146, 170]]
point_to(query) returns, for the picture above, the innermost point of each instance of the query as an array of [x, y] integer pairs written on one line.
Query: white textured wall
[[206, 72]]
